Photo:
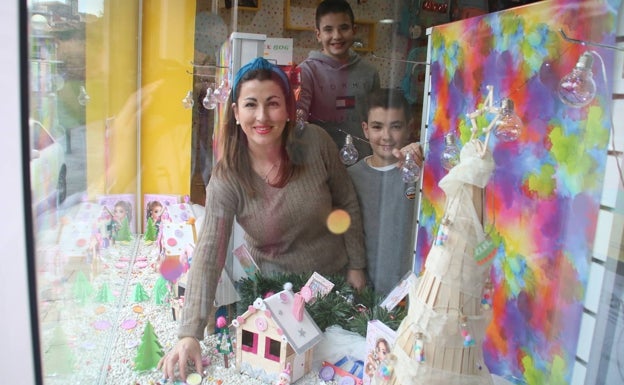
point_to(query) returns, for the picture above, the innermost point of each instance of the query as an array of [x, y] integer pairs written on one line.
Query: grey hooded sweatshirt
[[333, 95]]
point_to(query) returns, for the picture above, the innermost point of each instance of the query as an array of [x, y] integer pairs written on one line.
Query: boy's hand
[[415, 148]]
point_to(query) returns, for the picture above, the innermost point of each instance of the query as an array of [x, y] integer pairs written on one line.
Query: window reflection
[[129, 139]]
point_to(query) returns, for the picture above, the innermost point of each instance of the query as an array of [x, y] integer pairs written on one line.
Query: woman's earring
[[288, 120], [237, 123]]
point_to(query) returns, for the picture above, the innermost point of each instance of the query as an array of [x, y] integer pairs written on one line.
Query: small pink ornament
[[306, 293], [221, 322], [261, 324]]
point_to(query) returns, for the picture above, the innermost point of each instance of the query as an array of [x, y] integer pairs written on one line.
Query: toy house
[[273, 334]]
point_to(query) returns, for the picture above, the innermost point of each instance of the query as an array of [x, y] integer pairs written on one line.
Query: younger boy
[[335, 80], [387, 203]]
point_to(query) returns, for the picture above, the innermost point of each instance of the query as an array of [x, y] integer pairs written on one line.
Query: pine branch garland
[[342, 306]]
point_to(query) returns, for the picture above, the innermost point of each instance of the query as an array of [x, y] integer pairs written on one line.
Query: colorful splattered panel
[[543, 199]]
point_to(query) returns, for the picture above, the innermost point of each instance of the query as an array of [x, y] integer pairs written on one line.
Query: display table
[[93, 318], [94, 311]]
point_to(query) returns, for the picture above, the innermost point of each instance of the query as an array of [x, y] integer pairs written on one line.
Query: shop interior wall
[[269, 20], [387, 51]]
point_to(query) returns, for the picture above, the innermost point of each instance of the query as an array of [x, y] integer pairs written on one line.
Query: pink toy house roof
[[301, 335]]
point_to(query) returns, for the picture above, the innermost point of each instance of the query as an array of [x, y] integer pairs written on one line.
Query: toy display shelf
[[92, 321]]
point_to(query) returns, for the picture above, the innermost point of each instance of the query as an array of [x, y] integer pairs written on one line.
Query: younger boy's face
[[386, 129], [336, 33]]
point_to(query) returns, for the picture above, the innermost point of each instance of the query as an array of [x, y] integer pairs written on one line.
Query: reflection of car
[[48, 172]]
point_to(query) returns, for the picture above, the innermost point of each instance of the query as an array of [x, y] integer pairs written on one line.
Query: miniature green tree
[[161, 290], [139, 294], [104, 295], [58, 357], [150, 231], [82, 288], [224, 344], [150, 351], [123, 234]]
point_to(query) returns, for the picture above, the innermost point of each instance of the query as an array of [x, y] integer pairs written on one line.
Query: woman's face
[[261, 111]]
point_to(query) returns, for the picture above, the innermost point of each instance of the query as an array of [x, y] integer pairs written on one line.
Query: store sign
[[279, 50]]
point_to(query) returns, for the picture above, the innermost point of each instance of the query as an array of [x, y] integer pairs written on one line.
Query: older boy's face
[[385, 130], [335, 33]]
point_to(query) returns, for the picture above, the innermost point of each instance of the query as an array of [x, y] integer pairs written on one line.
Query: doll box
[[379, 342]]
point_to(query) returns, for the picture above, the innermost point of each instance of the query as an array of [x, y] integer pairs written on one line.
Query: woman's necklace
[[267, 176]]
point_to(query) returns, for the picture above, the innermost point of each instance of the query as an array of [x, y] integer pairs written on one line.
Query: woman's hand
[[356, 278], [415, 148], [186, 349]]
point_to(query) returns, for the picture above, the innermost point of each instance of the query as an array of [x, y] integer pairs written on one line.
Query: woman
[[280, 184]]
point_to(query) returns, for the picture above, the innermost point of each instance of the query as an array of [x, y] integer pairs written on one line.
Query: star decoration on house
[[302, 333]]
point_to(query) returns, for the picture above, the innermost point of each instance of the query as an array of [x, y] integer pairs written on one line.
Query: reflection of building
[[57, 12], [49, 19], [45, 80]]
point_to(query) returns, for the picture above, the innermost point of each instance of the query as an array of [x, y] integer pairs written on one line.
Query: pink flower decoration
[[221, 322]]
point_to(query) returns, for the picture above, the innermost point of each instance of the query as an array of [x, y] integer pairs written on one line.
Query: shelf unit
[[305, 10]]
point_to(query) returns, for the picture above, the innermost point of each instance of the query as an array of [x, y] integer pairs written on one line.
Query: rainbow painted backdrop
[[543, 199]]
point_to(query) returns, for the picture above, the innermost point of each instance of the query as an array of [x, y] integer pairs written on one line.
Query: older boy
[[335, 80], [387, 203]]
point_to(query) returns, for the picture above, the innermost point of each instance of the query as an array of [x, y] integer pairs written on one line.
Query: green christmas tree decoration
[[150, 231], [139, 294], [150, 351], [104, 295], [224, 344], [161, 291], [58, 357], [82, 288], [123, 234]]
